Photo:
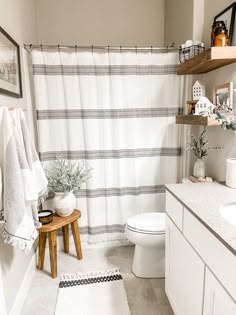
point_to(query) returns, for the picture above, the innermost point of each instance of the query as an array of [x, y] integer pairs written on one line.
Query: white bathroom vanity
[[200, 249]]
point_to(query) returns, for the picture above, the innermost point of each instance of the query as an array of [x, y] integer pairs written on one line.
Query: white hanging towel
[[35, 179], [24, 181]]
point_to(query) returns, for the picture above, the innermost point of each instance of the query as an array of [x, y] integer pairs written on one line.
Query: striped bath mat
[[92, 293]]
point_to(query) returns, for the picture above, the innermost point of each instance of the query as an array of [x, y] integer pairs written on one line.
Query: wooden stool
[[51, 229]]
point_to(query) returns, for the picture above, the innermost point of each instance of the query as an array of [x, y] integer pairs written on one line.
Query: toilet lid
[[152, 222]]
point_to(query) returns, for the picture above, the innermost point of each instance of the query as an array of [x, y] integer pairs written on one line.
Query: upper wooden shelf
[[211, 59], [196, 120]]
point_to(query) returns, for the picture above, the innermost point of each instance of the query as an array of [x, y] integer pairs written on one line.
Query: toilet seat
[[147, 223]]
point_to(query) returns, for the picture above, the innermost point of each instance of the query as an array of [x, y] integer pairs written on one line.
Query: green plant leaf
[[198, 145], [63, 176]]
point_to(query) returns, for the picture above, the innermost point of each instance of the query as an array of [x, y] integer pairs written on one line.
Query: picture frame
[[228, 16], [10, 69], [223, 95]]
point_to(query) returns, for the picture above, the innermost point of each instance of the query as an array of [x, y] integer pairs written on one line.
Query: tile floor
[[145, 296]]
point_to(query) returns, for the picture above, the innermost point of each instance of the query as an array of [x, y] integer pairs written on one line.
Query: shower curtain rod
[[121, 48]]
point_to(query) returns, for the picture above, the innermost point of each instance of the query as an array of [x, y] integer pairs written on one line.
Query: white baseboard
[[24, 288]]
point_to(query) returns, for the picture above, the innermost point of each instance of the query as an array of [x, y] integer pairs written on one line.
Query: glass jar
[[221, 37], [216, 25]]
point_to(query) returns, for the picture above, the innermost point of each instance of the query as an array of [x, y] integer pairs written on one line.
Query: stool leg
[[76, 235], [41, 253], [52, 236], [65, 233]]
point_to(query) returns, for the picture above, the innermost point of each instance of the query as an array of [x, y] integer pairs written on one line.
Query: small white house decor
[[204, 107], [198, 90]]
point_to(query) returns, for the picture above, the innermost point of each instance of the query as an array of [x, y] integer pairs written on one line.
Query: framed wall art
[[10, 71], [228, 16], [223, 95]]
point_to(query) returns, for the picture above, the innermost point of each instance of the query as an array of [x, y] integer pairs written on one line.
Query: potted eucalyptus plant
[[199, 149], [63, 179]]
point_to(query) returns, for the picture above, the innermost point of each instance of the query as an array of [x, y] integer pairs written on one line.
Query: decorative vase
[[64, 203], [199, 168]]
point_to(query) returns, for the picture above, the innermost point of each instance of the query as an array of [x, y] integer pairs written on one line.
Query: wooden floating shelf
[[211, 59], [197, 120]]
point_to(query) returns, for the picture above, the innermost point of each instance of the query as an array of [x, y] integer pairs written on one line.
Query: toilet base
[[148, 263]]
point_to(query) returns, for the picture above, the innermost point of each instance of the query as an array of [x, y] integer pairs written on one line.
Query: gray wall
[[178, 21], [18, 19], [103, 22], [184, 19]]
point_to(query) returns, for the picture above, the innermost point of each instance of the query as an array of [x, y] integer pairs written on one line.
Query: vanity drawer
[[220, 260], [174, 209]]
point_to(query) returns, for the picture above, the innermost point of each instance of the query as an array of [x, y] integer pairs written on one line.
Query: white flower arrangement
[[227, 122], [66, 177]]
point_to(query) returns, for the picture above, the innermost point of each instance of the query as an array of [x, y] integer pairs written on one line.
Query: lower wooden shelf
[[197, 120]]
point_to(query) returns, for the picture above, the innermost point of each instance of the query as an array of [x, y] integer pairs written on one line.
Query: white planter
[[64, 203], [199, 168]]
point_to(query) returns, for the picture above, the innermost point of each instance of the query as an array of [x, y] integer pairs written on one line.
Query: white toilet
[[147, 232]]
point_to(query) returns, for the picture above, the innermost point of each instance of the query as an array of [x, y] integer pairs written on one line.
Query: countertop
[[204, 200]]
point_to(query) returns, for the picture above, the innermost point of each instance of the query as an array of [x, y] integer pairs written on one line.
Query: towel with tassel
[[24, 181]]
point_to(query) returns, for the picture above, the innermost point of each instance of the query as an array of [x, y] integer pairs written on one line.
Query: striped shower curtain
[[116, 112]]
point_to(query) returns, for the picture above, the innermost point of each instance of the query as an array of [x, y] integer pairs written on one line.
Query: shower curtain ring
[[136, 49], [120, 49], [151, 49], [108, 49], [41, 47], [92, 48]]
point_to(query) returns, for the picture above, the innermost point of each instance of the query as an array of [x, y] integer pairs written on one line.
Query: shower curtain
[[115, 110]]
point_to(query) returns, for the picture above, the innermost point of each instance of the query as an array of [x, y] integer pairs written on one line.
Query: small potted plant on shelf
[[63, 179], [199, 149]]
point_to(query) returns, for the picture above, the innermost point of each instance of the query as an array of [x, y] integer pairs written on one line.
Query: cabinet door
[[184, 273], [216, 299]]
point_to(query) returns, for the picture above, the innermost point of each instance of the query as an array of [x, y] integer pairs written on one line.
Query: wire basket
[[189, 52]]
